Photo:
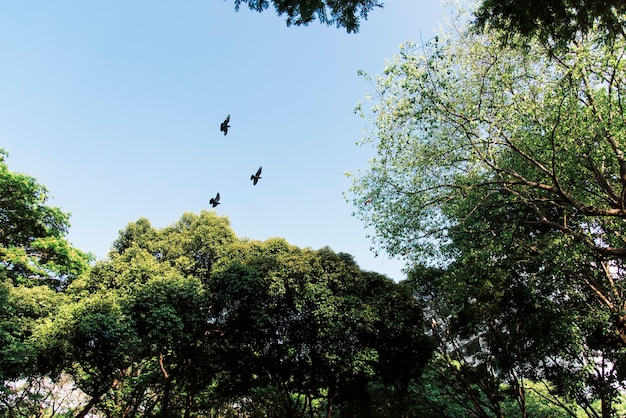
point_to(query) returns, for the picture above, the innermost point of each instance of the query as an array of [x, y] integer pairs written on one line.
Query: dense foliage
[[506, 169], [343, 13], [36, 263], [189, 320], [557, 22]]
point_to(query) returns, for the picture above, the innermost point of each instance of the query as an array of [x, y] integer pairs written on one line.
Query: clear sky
[[115, 107]]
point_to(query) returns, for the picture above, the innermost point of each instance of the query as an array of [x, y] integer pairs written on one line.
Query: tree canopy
[[189, 320], [462, 124], [556, 21], [345, 14], [506, 168], [36, 264], [33, 248]]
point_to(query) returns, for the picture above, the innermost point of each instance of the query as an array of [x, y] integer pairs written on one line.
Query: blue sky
[[115, 107]]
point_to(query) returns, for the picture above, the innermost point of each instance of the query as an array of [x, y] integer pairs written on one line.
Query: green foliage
[[160, 276], [191, 245], [343, 13], [21, 308], [313, 326], [36, 265], [506, 169], [188, 320], [461, 118], [556, 21], [474, 139], [33, 249], [495, 339]]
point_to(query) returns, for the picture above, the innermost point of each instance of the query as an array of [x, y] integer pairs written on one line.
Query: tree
[[305, 328], [33, 249], [466, 124], [284, 325], [21, 308], [342, 13], [91, 340], [501, 336], [187, 320], [511, 161], [165, 357], [36, 264], [556, 21]]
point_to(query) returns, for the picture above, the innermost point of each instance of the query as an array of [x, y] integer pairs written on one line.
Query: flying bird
[[224, 125], [368, 200], [255, 177], [215, 200]]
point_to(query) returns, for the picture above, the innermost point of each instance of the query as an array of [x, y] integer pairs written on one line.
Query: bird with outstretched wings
[[224, 125], [215, 200], [255, 177]]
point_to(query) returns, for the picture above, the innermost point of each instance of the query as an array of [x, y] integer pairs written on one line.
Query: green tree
[[90, 340], [510, 167], [342, 13], [36, 264], [556, 21], [463, 124], [305, 328], [273, 304], [33, 248], [187, 320], [21, 308], [160, 276], [501, 335]]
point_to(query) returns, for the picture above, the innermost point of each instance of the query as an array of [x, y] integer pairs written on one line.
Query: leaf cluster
[[343, 13], [555, 21], [33, 249]]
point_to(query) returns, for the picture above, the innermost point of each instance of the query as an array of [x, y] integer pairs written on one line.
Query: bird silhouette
[[215, 200], [255, 177], [224, 125]]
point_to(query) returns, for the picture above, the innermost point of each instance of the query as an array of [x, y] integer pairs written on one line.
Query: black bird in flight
[[224, 125], [215, 200], [255, 177]]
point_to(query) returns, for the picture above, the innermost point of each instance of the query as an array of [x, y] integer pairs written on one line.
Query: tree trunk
[[165, 400], [95, 399], [606, 399], [192, 385], [329, 412], [621, 328]]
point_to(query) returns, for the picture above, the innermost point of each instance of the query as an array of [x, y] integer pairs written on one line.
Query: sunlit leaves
[[461, 113], [182, 318], [507, 167], [22, 308], [36, 264], [33, 249]]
